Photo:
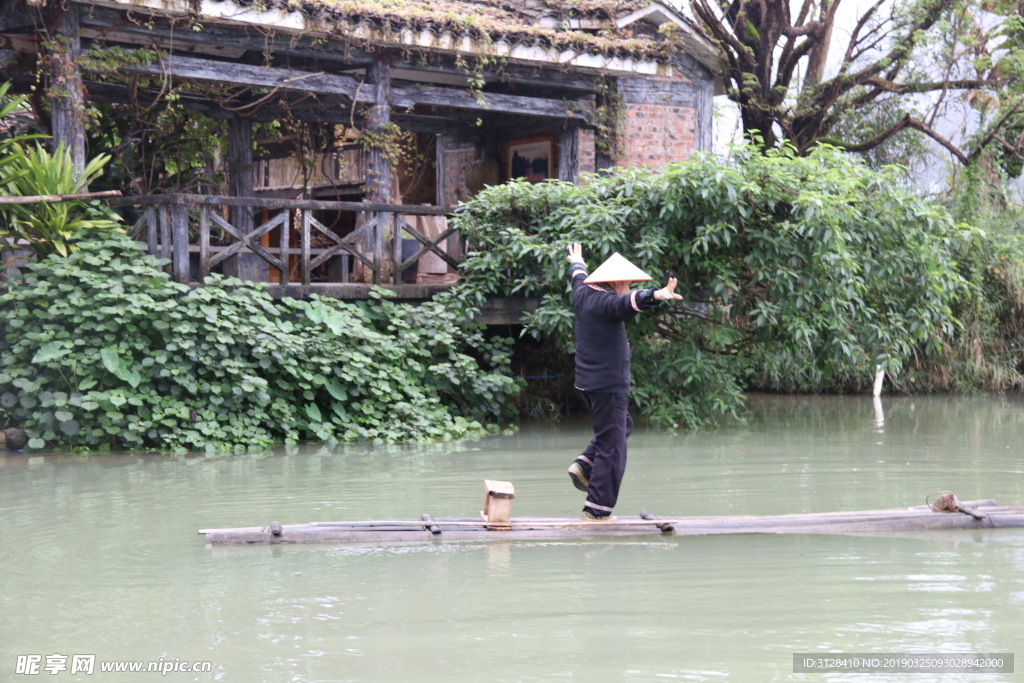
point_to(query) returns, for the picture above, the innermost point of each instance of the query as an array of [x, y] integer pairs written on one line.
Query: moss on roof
[[491, 20]]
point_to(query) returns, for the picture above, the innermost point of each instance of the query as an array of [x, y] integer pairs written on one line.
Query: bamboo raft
[[495, 523]]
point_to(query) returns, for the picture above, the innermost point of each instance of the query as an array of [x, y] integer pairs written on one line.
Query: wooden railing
[[176, 225]]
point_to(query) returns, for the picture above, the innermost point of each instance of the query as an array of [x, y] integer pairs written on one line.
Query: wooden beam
[[268, 203], [457, 98], [554, 76], [40, 198], [436, 125], [326, 110], [119, 94], [233, 73], [237, 74], [65, 89]]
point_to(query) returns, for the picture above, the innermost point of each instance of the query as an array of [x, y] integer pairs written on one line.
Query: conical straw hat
[[617, 269]]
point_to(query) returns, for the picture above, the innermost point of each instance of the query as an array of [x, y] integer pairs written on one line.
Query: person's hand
[[575, 253], [668, 291]]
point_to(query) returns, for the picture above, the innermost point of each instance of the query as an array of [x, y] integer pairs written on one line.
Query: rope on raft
[[948, 502]]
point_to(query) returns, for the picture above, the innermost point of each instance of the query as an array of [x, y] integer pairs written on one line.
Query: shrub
[[101, 350], [817, 259]]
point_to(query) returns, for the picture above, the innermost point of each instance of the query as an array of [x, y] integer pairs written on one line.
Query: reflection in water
[[101, 554]]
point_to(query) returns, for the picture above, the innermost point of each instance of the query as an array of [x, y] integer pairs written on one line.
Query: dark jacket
[[602, 350]]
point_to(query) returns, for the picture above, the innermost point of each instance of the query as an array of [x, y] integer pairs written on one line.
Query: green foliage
[[49, 227], [158, 147], [987, 353], [10, 147], [775, 254], [101, 350]]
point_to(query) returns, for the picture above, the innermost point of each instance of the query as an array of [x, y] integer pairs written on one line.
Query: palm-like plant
[[9, 147], [51, 227], [45, 227]]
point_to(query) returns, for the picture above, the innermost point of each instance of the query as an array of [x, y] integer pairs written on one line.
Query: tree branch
[[1017, 108], [908, 122], [1012, 149], [905, 88], [854, 37]]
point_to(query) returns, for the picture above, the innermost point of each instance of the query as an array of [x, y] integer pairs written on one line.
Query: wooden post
[[304, 248], [180, 270], [66, 89], [396, 248], [285, 275], [244, 266], [383, 219], [454, 243], [602, 160], [204, 242], [378, 166], [498, 504], [152, 231], [165, 232], [441, 177], [569, 154]]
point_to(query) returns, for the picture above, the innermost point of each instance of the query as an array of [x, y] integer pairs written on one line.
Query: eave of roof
[[429, 26]]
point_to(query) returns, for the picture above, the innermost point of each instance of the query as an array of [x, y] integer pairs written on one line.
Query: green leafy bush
[[817, 260], [100, 350]]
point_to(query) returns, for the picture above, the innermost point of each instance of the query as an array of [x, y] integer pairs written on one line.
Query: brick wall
[[660, 125], [586, 152], [657, 134]]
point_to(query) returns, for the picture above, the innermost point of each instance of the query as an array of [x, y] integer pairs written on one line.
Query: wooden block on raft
[[498, 504]]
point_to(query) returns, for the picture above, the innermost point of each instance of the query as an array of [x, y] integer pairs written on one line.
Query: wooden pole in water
[[879, 378]]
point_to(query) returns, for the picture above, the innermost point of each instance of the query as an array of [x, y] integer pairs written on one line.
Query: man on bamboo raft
[[603, 304]]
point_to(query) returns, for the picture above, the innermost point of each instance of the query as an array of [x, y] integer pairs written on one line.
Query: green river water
[[100, 556]]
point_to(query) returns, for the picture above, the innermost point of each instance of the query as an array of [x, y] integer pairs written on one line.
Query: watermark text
[[35, 665]]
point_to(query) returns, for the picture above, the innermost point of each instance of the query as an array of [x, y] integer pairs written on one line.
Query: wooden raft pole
[[946, 513], [40, 198]]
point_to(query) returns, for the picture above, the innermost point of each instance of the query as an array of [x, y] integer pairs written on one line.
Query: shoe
[[590, 516], [579, 478]]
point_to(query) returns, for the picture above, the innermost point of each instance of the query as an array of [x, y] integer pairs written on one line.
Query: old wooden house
[[483, 90]]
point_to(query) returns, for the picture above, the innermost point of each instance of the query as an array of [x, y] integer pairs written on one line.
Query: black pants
[[604, 460]]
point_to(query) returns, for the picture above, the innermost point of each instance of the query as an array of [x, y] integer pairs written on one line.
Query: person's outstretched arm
[[615, 306]]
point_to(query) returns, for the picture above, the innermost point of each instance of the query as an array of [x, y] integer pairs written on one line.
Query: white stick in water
[[879, 414]]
